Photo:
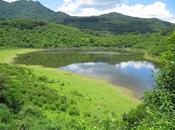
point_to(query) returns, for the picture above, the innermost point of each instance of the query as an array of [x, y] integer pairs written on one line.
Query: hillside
[[118, 23], [33, 97], [29, 10], [38, 34], [113, 22], [37, 98]]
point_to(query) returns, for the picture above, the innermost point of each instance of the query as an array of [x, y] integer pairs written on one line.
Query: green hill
[[29, 9], [118, 23], [37, 98], [38, 34], [113, 22]]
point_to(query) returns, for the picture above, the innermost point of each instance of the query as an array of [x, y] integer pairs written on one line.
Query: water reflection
[[136, 75], [125, 69]]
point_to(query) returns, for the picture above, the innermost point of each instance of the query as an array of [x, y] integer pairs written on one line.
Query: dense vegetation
[[25, 97], [157, 110], [44, 99], [113, 22], [38, 34], [118, 23], [30, 100], [29, 9]]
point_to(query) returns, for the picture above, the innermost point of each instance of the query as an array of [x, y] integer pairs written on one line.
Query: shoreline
[[28, 50], [17, 51]]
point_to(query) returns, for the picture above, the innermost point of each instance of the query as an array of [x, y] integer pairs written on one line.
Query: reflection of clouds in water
[[131, 67], [89, 63], [136, 65], [133, 74], [73, 68], [140, 71], [80, 68]]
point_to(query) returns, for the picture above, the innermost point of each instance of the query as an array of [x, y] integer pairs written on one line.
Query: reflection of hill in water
[[53, 58]]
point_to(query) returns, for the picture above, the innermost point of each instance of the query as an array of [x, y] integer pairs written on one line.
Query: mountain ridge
[[111, 22]]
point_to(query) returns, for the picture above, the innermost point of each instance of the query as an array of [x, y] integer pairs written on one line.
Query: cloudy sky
[[162, 9]]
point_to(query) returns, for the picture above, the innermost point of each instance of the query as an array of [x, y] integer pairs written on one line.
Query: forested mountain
[[113, 22], [118, 23], [29, 9]]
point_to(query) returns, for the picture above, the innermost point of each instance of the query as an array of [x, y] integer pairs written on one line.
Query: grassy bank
[[7, 55], [153, 58], [95, 96], [48, 95], [91, 95]]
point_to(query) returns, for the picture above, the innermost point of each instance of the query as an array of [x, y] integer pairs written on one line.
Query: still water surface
[[125, 69]]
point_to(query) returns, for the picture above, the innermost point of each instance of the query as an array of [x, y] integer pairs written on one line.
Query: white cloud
[[136, 65], [89, 8]]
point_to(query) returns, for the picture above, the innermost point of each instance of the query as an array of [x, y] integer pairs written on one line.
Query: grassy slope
[[7, 55], [98, 96], [36, 34]]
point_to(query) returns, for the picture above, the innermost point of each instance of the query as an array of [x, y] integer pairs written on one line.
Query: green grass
[[92, 95], [7, 55]]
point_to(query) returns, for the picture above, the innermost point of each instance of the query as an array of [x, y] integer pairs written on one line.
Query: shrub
[[63, 107], [73, 111], [5, 115], [43, 78], [31, 110]]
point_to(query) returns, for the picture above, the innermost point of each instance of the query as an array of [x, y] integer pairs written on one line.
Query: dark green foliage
[[43, 78], [157, 110], [27, 100], [36, 34], [25, 96], [21, 24], [9, 98], [109, 122], [134, 117], [118, 23], [75, 92], [5, 116], [73, 111], [113, 22], [28, 9]]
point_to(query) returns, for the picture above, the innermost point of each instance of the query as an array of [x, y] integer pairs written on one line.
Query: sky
[[162, 9]]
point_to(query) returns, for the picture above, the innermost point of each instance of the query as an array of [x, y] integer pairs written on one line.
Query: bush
[[5, 115], [43, 78], [157, 110], [31, 110], [63, 107], [73, 111]]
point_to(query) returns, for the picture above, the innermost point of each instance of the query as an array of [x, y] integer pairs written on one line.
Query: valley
[[105, 72]]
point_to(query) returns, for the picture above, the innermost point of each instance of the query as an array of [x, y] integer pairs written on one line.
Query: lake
[[124, 69]]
